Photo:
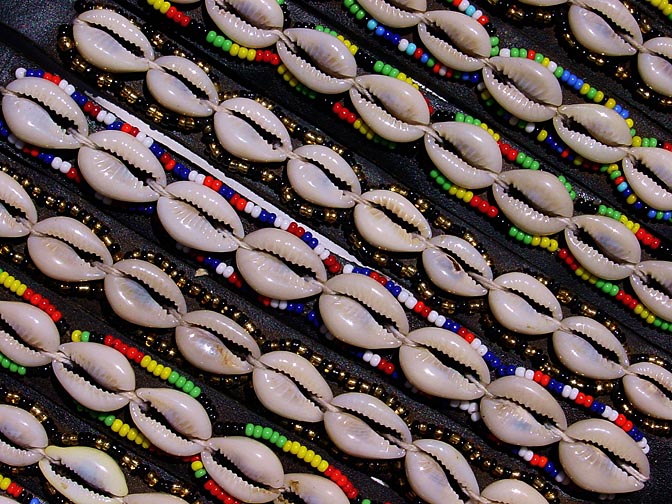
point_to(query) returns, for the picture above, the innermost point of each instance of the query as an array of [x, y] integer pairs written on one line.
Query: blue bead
[[48, 158], [380, 30], [572, 80], [638, 205], [424, 58], [271, 218], [454, 326], [511, 370], [396, 291], [411, 49], [465, 76], [565, 76], [4, 132], [470, 10], [387, 35], [313, 243], [30, 72], [262, 216], [117, 125], [651, 214], [667, 215], [475, 77], [395, 375], [496, 362], [366, 271], [625, 114], [311, 314], [371, 25], [35, 500], [298, 308], [389, 285], [501, 371], [157, 150], [618, 108], [307, 236], [551, 384], [636, 434], [627, 192], [488, 356], [578, 84], [395, 38], [550, 467]]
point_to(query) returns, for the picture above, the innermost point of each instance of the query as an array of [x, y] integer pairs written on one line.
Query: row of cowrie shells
[[405, 117], [34, 341], [445, 258]]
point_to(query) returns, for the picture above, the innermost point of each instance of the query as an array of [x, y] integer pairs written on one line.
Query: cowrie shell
[[14, 197], [313, 489], [648, 388], [648, 170], [252, 24], [510, 491], [30, 333], [652, 282], [655, 65], [396, 13], [22, 434]]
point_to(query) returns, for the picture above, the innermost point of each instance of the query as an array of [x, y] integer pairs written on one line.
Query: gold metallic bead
[[180, 490], [422, 205], [399, 189], [313, 138], [597, 59], [151, 479], [644, 92], [65, 44], [564, 296], [69, 439], [306, 210], [330, 216], [443, 222], [515, 13], [155, 114], [79, 64], [588, 310], [351, 384], [378, 391], [569, 39], [621, 73], [40, 415], [104, 81], [158, 40], [380, 259], [102, 444], [454, 439], [448, 306], [409, 271], [128, 93], [12, 398], [289, 124], [186, 123], [267, 176]]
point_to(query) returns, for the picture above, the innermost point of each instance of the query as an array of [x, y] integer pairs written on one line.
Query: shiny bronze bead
[[128, 94], [351, 384], [588, 310], [65, 44], [597, 59], [644, 92], [409, 271], [267, 176], [158, 40], [313, 138], [289, 124], [622, 73], [399, 189], [515, 13], [380, 259], [306, 210], [448, 306], [151, 479], [186, 123], [79, 64], [131, 463], [69, 440], [422, 205], [155, 114]]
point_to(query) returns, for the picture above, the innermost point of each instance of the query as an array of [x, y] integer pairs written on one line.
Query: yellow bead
[[663, 4], [15, 285], [460, 193], [453, 189], [302, 452], [8, 281], [553, 246], [623, 219], [644, 313], [125, 429], [612, 168], [251, 54], [650, 319], [401, 76], [635, 227], [308, 457], [546, 62], [599, 96], [287, 446], [3, 276], [196, 465], [4, 483], [636, 141], [164, 8], [324, 465], [592, 280], [282, 69], [468, 196], [630, 200], [369, 135], [578, 160], [287, 77], [584, 89], [638, 309], [242, 53], [347, 43], [536, 240], [165, 374], [76, 335], [585, 277], [158, 370], [317, 460], [132, 434], [296, 446], [357, 124], [655, 3], [629, 122], [145, 444], [496, 137], [293, 82], [353, 49], [485, 95], [145, 361], [611, 103], [140, 439], [545, 241], [579, 271], [152, 366], [116, 425], [363, 129], [234, 50], [667, 10], [21, 290], [543, 134]]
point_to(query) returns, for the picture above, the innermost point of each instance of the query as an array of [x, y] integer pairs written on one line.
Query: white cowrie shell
[[381, 231], [654, 65], [543, 3], [22, 434], [544, 207], [129, 298], [174, 94], [109, 370], [250, 23], [258, 473], [330, 67], [200, 218], [154, 497], [590, 349], [108, 169], [54, 246], [396, 13], [448, 262], [26, 117], [509, 412], [594, 32], [614, 250], [95, 467], [402, 112], [525, 88], [590, 468], [472, 159], [240, 138], [511, 307], [275, 385], [313, 489], [426, 470], [311, 177], [351, 434], [608, 133], [203, 338], [185, 415], [648, 170], [510, 491], [15, 197], [648, 388], [272, 277], [439, 363], [346, 308], [652, 282], [464, 44], [101, 49], [32, 332]]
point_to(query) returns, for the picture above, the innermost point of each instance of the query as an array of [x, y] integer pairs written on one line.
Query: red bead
[[14, 490], [300, 231], [352, 494], [139, 357], [543, 461], [207, 182], [389, 368], [620, 294], [35, 299], [56, 316], [42, 305], [126, 128], [562, 253], [655, 243], [109, 340], [234, 198], [292, 227], [419, 306], [493, 211], [135, 131], [87, 107], [640, 233], [627, 426], [426, 311], [627, 299], [164, 158], [633, 304], [341, 481], [343, 113], [216, 185], [475, 201], [28, 294], [618, 180], [347, 487], [545, 379], [335, 268], [169, 165], [96, 110], [436, 68], [50, 309], [241, 204], [209, 484], [648, 239], [588, 402], [531, 54], [374, 276], [335, 475], [620, 420], [185, 20], [170, 13], [178, 17], [275, 59], [483, 20], [34, 152], [512, 155], [535, 460], [418, 53], [351, 118], [580, 398], [259, 56], [329, 471], [131, 353]]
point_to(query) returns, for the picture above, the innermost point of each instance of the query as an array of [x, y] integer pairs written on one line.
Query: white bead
[[101, 116], [140, 136], [282, 305], [475, 417], [220, 268], [522, 451], [513, 120], [560, 477], [274, 303], [505, 53], [19, 144], [528, 456], [284, 225], [325, 254], [552, 66], [403, 296], [566, 390], [279, 222], [433, 315], [248, 207], [65, 167], [228, 271], [476, 343], [63, 84], [440, 320], [480, 86], [56, 163], [256, 212], [454, 403], [403, 44], [472, 407], [482, 350], [375, 360], [192, 175], [613, 416], [200, 178], [573, 393], [529, 128], [347, 268], [110, 118], [443, 70], [646, 450], [464, 5], [319, 249], [607, 412], [20, 73], [529, 374], [148, 142], [520, 371], [464, 405], [70, 89], [477, 14], [367, 356], [411, 302]]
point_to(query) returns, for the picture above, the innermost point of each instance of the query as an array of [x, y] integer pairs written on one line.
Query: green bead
[[266, 433], [320, 28], [394, 72], [477, 122], [173, 377], [219, 40], [378, 66], [591, 93], [200, 473], [535, 165], [614, 290], [520, 158], [659, 215], [361, 14], [494, 51], [459, 117], [604, 168], [227, 45], [606, 288], [469, 120], [188, 387], [281, 441], [633, 132], [446, 186], [13, 367], [249, 429], [572, 195], [258, 429], [109, 420], [522, 53], [494, 41], [387, 68], [520, 236], [6, 362], [515, 52], [558, 72], [366, 501], [610, 212], [653, 142], [348, 3], [434, 173], [645, 142], [599, 284], [528, 239], [431, 62], [617, 215], [538, 58], [440, 180], [210, 37], [180, 382], [562, 178], [615, 174], [274, 437], [354, 9], [657, 322], [568, 186], [602, 210], [195, 392], [22, 371], [665, 326], [85, 336], [513, 231], [528, 162]]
